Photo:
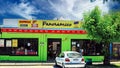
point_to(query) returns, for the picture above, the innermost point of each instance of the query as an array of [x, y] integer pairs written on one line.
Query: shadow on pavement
[[56, 66], [102, 66], [105, 66]]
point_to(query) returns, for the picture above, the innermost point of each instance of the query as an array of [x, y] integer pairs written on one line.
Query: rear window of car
[[74, 55]]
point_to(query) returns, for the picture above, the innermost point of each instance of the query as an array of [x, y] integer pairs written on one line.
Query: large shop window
[[19, 46], [25, 46], [87, 47]]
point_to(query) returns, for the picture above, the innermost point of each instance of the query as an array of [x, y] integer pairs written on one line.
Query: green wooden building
[[43, 40]]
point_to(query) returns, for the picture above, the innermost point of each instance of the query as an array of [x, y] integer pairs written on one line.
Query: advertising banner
[[8, 43], [28, 23], [49, 24], [1, 42], [14, 43]]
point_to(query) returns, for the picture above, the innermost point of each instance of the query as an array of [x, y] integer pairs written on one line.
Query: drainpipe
[[110, 51], [0, 33]]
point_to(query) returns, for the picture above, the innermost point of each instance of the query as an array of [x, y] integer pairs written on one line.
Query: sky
[[51, 9]]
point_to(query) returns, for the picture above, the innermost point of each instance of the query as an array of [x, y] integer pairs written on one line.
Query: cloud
[[37, 9], [74, 9], [25, 9]]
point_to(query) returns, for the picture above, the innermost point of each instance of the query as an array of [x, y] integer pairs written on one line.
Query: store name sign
[[49, 24], [60, 24], [45, 23]]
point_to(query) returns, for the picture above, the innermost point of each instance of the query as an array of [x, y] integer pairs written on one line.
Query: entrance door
[[54, 48]]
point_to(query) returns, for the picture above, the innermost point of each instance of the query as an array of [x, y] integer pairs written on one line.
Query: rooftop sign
[[48, 24]]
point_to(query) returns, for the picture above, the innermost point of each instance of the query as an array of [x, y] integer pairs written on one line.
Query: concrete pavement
[[27, 64], [41, 64], [37, 65], [26, 67]]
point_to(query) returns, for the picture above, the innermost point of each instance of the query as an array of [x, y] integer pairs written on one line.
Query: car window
[[74, 55], [61, 55]]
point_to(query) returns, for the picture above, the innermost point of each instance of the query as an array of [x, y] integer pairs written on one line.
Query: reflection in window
[[25, 47], [74, 55], [87, 47]]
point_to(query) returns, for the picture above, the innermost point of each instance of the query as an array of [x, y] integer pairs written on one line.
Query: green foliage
[[116, 21], [104, 28], [91, 20]]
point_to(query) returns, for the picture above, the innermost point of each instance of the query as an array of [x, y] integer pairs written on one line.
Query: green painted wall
[[42, 49], [94, 58]]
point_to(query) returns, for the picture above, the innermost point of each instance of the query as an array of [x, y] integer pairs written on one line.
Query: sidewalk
[[42, 64], [27, 64]]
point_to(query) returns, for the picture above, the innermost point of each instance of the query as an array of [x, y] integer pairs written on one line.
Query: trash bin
[[89, 61]]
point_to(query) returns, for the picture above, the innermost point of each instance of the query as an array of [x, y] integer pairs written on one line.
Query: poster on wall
[[8, 43], [1, 42], [14, 43]]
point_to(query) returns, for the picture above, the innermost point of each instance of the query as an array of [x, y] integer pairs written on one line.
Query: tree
[[102, 28]]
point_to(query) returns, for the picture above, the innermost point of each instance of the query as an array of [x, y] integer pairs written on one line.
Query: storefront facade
[[33, 41]]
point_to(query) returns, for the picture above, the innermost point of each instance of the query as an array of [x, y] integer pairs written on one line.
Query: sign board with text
[[49, 24]]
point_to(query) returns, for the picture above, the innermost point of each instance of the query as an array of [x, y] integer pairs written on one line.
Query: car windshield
[[74, 55]]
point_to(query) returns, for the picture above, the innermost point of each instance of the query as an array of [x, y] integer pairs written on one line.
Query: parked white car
[[70, 59]]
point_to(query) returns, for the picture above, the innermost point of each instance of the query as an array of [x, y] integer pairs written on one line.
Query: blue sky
[[51, 9]]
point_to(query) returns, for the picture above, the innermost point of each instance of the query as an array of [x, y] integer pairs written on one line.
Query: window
[[86, 47], [26, 46], [62, 55], [74, 55], [5, 46], [19, 46]]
